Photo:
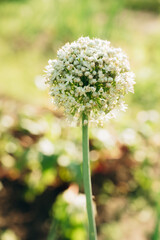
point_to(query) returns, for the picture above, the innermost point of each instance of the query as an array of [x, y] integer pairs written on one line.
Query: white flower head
[[91, 76]]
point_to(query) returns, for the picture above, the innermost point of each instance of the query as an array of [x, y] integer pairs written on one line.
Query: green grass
[[32, 31]]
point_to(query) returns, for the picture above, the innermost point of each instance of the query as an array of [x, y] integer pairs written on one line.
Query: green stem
[[87, 179]]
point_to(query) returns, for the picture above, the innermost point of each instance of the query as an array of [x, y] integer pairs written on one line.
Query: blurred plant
[[69, 216], [129, 166], [156, 232]]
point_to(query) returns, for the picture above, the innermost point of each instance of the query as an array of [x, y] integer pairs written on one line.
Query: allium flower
[[89, 76], [89, 79]]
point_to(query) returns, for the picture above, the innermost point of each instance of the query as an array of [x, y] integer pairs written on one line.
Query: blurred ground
[[40, 156]]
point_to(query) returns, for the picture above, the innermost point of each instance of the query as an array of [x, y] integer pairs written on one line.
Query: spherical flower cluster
[[89, 76]]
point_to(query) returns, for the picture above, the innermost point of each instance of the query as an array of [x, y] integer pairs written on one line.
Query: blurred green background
[[41, 192]]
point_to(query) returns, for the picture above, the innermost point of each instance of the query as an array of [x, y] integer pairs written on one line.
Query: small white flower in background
[[9, 235], [39, 82], [89, 75], [76, 200], [46, 147]]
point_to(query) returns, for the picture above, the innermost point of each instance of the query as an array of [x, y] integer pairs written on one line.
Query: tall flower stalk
[[87, 179], [89, 79]]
